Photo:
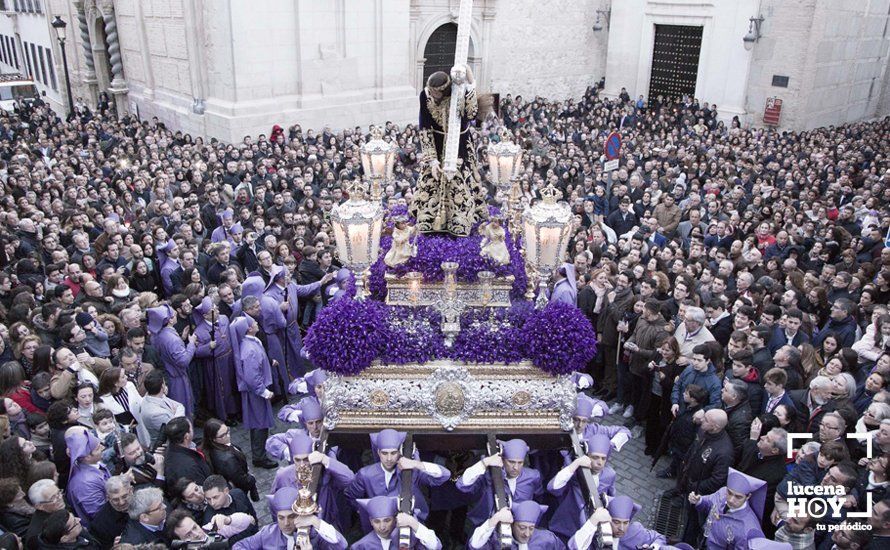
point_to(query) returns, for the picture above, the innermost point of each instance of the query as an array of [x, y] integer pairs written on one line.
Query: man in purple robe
[[386, 520], [586, 410], [213, 349], [283, 533], [224, 231], [383, 479], [520, 483], [734, 511], [175, 355], [86, 482], [273, 323], [168, 262], [565, 289], [523, 519], [566, 487], [311, 384], [285, 291], [335, 478], [253, 285], [627, 534], [254, 375], [308, 413]]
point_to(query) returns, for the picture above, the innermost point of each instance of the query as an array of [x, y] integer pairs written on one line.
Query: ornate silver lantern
[[504, 163], [358, 224], [546, 227], [378, 157]]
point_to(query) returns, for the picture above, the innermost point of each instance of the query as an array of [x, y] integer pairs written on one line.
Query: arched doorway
[[100, 55], [439, 50]]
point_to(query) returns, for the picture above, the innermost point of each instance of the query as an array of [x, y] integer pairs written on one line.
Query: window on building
[[42, 65], [3, 49], [50, 69], [15, 54], [27, 60], [38, 7], [34, 61]]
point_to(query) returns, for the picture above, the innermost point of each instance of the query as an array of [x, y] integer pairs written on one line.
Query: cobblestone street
[[631, 464]]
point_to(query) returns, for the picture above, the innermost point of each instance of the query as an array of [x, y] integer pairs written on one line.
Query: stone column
[[89, 77], [118, 86]]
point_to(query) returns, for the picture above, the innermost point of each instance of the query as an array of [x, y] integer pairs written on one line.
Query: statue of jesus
[[443, 202]]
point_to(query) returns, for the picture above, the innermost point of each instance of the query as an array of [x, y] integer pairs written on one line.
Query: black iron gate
[[439, 50], [674, 61]]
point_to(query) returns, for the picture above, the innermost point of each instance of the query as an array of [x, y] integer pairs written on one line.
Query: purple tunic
[[372, 542], [293, 343], [86, 490], [273, 323], [253, 380], [730, 530], [636, 536], [370, 482], [176, 357], [270, 537], [542, 539], [167, 269], [569, 515], [334, 480], [528, 487], [217, 367]]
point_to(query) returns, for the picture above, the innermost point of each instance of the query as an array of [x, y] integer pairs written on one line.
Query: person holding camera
[[184, 532]]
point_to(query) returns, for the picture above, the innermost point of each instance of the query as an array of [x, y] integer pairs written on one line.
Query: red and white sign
[[773, 111]]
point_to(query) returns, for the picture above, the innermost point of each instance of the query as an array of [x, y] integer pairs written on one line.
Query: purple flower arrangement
[[414, 335], [559, 339], [349, 335], [432, 250]]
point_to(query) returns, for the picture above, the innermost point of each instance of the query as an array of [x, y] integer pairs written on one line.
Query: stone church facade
[[230, 68]]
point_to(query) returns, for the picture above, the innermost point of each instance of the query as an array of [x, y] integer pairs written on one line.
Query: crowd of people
[[155, 285]]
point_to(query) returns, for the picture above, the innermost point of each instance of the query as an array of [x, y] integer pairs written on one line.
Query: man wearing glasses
[[147, 515], [62, 529], [46, 498]]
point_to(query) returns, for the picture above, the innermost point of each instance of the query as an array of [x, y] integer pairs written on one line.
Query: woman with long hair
[[665, 370], [789, 418], [15, 456], [14, 385], [121, 397], [85, 397], [24, 353], [227, 459]]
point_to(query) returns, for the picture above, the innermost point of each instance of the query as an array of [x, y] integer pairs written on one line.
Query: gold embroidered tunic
[[443, 205]]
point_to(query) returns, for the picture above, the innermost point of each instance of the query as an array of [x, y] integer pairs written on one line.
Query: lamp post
[[546, 228], [378, 157], [59, 25], [358, 224], [753, 32]]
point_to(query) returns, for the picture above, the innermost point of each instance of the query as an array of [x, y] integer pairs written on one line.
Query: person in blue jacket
[[700, 372]]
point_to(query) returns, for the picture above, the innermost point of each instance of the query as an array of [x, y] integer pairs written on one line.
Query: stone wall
[[547, 49], [723, 62], [255, 63], [836, 55]]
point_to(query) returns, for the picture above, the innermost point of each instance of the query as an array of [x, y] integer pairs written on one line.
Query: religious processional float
[[450, 332]]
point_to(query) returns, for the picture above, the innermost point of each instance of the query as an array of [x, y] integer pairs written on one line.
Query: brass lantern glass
[[546, 227], [504, 162], [358, 225], [378, 157]]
